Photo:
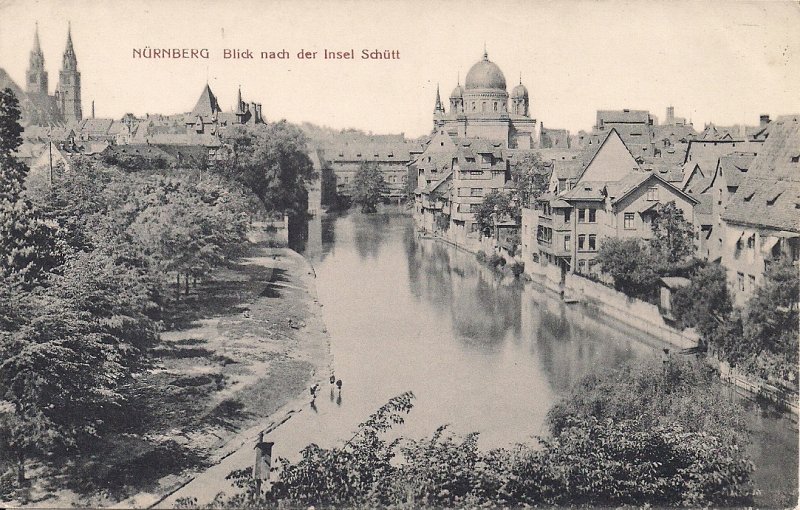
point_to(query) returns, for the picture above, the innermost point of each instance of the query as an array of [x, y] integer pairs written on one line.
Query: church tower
[[438, 110], [69, 84], [519, 99], [36, 83]]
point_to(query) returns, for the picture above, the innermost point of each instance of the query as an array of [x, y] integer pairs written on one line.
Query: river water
[[480, 352]]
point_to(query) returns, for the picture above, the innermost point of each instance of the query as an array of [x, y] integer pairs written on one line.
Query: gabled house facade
[[613, 197]]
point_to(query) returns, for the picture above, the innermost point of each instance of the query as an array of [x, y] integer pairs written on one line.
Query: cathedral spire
[[70, 60], [485, 53], [37, 47], [36, 83], [438, 108]]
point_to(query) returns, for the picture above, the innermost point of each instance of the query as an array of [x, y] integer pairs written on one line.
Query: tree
[[617, 458], [706, 302], [771, 318], [60, 377], [29, 245], [673, 236], [368, 187], [653, 393], [531, 177], [495, 205], [12, 171], [273, 162], [631, 264]]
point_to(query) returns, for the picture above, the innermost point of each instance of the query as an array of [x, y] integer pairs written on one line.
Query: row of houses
[[740, 188]]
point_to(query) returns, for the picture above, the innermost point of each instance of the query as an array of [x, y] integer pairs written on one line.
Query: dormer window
[[749, 197], [774, 198], [796, 159]]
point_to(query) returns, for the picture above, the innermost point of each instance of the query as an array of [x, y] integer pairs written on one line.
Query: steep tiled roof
[[704, 209], [207, 104], [623, 116], [586, 190], [669, 171], [769, 194], [95, 126], [735, 167]]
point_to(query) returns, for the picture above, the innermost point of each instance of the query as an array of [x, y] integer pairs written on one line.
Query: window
[[582, 266], [581, 215], [495, 106], [629, 218], [567, 215], [752, 281], [592, 215], [567, 239], [476, 192], [652, 194], [581, 241], [751, 242], [592, 242], [740, 281]]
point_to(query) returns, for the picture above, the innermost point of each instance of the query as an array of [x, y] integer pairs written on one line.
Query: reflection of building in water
[[571, 342]]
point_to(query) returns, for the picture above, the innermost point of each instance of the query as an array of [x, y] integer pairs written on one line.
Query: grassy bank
[[243, 345]]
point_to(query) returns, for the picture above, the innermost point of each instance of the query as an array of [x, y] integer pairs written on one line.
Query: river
[[480, 352]]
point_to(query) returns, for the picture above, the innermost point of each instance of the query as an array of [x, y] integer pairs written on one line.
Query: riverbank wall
[[639, 315], [635, 313]]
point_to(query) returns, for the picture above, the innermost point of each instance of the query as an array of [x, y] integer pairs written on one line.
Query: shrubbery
[[646, 434]]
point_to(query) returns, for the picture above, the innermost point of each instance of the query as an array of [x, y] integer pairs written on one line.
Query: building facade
[[483, 108]]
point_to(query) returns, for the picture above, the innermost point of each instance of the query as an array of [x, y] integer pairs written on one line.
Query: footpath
[[242, 363]]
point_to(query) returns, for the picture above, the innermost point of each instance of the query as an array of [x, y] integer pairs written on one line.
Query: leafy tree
[[631, 264], [495, 205], [673, 236], [654, 393], [29, 245], [706, 302], [771, 318], [531, 177], [59, 376], [368, 187], [272, 161], [12, 171]]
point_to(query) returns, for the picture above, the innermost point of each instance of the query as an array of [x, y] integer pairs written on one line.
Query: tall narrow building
[[69, 84], [36, 76]]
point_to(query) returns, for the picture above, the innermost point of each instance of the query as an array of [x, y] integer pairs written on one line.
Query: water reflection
[[481, 353]]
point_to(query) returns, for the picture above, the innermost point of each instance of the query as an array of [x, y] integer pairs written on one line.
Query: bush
[[645, 434], [496, 260], [481, 256], [517, 268]]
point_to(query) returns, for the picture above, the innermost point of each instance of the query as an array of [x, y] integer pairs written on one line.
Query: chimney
[[670, 120], [763, 120], [93, 109]]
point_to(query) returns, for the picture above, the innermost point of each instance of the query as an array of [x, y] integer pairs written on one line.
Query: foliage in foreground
[[646, 442]]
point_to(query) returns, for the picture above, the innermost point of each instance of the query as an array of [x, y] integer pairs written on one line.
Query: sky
[[720, 61]]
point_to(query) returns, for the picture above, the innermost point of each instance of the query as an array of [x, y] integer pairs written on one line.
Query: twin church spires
[[66, 103]]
